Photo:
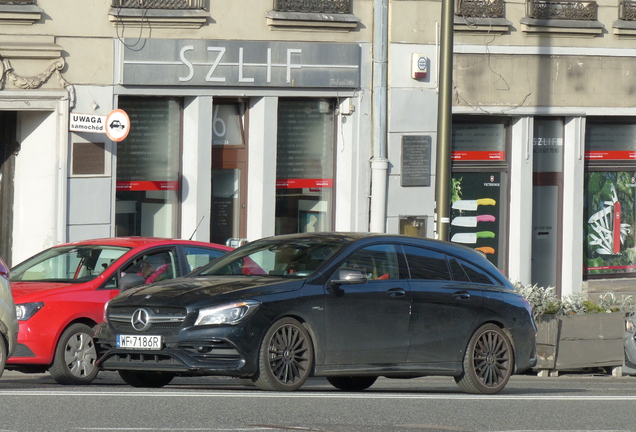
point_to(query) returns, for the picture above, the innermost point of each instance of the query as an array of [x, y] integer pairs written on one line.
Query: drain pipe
[[379, 161]]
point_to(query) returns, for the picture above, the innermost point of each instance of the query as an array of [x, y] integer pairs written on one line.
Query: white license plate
[[145, 342]]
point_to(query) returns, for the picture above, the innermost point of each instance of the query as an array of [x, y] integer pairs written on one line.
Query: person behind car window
[[153, 269]]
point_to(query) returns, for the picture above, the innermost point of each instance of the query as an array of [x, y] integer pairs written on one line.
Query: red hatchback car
[[60, 294]]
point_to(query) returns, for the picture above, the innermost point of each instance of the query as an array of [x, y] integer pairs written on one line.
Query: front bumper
[[35, 344], [222, 351], [171, 360]]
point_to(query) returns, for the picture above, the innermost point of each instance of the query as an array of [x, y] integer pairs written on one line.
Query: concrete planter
[[576, 342]]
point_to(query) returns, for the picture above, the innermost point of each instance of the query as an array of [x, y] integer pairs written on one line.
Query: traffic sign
[[117, 125], [87, 123]]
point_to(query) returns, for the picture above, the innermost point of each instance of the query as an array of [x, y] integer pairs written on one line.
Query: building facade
[[248, 119]]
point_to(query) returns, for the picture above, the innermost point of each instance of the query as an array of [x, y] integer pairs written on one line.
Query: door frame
[[9, 148]]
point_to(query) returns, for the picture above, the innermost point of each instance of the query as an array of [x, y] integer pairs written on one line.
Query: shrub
[[544, 301]]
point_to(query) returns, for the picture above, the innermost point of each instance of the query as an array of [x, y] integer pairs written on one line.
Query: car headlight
[[230, 314], [25, 311], [105, 312]]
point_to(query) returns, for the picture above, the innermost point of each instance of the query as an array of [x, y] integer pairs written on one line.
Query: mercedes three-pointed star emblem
[[140, 319]]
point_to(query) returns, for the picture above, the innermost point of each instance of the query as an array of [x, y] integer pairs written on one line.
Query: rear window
[[477, 274], [426, 264]]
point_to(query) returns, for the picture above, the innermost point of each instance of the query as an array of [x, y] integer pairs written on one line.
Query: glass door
[[228, 213], [547, 198], [226, 205]]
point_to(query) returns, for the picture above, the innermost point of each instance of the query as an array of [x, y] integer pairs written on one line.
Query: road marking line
[[305, 395]]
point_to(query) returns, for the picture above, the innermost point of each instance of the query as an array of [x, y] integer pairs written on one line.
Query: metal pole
[[444, 122]]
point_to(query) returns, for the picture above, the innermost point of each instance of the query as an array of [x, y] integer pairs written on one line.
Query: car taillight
[[4, 270]]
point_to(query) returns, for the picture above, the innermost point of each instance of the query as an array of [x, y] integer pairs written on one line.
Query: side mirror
[[349, 276], [130, 280]]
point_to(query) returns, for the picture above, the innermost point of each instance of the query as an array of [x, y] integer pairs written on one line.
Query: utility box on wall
[[414, 226]]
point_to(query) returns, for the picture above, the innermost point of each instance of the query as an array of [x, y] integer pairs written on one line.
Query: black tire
[[3, 354], [146, 379], [286, 357], [488, 362], [352, 383], [75, 356]]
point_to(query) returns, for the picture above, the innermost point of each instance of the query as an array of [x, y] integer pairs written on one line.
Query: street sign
[[117, 125], [87, 123]]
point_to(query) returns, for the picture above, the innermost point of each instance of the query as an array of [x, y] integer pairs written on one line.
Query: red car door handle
[[396, 292]]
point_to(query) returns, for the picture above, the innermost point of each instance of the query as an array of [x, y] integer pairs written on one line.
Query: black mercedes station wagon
[[350, 307]]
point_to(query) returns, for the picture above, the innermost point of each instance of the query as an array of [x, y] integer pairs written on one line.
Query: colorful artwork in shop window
[[475, 207], [609, 222]]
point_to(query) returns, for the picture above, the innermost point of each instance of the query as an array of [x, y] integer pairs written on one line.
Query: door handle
[[461, 295], [396, 292]]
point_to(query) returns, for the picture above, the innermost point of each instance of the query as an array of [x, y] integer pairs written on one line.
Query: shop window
[[305, 165], [478, 142], [479, 186], [610, 198], [148, 168]]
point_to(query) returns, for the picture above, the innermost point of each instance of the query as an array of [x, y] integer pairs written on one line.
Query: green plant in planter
[[544, 301]]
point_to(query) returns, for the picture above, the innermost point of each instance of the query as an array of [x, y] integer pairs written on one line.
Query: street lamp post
[[444, 122]]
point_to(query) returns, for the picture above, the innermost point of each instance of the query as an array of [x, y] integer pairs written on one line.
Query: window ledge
[[311, 21], [20, 14], [30, 47], [466, 24], [591, 28], [166, 18], [624, 28]]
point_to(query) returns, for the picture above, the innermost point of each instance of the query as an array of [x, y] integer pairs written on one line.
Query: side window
[[198, 257], [426, 264], [154, 267], [378, 262], [476, 274], [458, 271]]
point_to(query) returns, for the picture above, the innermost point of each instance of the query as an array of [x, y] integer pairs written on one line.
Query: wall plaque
[[416, 160], [88, 159]]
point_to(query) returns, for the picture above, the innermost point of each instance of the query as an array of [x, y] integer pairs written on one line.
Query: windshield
[[67, 264], [290, 258]]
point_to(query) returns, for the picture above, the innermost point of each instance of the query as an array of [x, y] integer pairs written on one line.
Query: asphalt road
[[574, 402]]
